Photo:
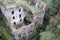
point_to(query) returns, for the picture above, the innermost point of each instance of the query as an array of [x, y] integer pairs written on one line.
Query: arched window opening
[[12, 12], [19, 10], [14, 23], [19, 15], [13, 17]]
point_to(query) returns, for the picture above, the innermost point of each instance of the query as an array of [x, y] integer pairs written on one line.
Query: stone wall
[[29, 31], [25, 32], [14, 15], [39, 16]]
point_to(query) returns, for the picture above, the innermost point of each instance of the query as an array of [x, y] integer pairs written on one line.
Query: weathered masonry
[[16, 11], [14, 14]]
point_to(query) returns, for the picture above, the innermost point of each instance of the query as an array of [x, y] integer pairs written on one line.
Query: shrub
[[47, 36]]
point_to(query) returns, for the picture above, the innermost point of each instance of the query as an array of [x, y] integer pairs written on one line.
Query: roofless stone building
[[17, 12]]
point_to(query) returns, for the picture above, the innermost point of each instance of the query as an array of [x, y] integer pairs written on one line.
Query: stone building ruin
[[15, 12]]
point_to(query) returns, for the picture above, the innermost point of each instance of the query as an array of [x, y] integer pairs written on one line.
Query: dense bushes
[[53, 7], [47, 36], [4, 29]]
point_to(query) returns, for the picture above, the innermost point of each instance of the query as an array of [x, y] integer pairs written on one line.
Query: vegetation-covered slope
[[4, 29]]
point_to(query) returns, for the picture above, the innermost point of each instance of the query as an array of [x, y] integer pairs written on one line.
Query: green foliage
[[53, 7], [47, 1], [37, 22], [4, 28], [2, 36], [21, 24], [54, 21], [7, 1], [58, 26], [7, 35], [47, 36], [29, 16], [36, 9]]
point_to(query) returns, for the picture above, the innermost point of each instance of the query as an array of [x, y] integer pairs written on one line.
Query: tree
[[47, 36], [53, 8]]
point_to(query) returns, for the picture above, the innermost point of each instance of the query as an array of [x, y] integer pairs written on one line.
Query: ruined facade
[[16, 13]]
